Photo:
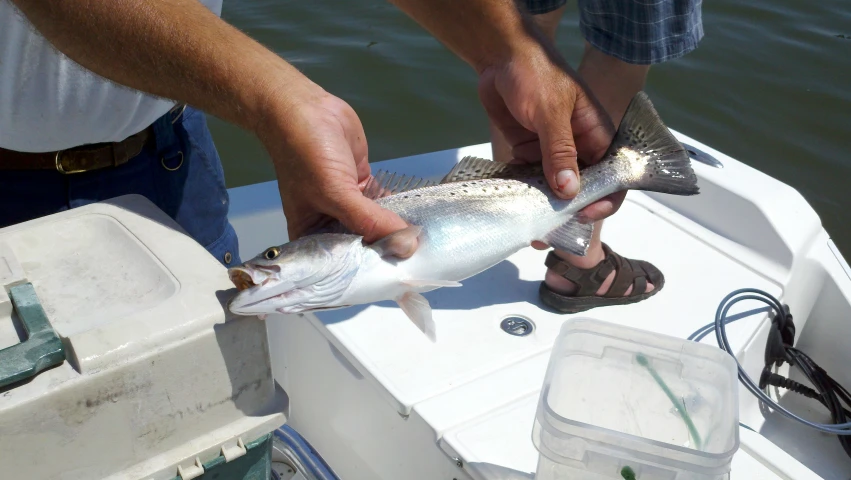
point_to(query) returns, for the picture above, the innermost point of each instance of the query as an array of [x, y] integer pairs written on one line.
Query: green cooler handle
[[42, 348]]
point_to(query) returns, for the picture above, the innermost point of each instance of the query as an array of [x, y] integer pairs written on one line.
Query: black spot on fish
[[463, 184], [452, 193]]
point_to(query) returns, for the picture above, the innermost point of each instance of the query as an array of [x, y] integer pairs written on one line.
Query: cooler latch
[[42, 349], [229, 453]]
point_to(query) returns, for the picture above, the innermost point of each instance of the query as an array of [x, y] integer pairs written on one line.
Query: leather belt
[[84, 158]]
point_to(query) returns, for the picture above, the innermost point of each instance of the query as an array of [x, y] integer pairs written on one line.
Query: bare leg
[[614, 83]]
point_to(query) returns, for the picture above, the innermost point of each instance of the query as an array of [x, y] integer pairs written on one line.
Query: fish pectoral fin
[[418, 310], [397, 243], [475, 168], [573, 237], [431, 283]]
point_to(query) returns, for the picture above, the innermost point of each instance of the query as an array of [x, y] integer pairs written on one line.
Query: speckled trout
[[478, 215]]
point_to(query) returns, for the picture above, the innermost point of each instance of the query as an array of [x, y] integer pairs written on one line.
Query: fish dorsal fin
[[385, 183], [475, 168], [572, 237]]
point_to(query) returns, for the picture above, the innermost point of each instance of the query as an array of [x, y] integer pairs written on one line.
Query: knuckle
[[562, 151], [366, 227]]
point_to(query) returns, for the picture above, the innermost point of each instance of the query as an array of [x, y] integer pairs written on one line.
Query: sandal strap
[[589, 280], [635, 273]]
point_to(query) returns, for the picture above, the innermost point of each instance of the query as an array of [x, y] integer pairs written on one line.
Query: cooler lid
[[113, 280]]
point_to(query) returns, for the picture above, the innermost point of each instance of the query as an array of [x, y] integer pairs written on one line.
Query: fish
[[480, 213]]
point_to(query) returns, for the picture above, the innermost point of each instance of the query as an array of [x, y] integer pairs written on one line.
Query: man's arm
[[177, 49]]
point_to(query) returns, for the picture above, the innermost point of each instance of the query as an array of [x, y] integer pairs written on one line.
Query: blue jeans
[[179, 170]]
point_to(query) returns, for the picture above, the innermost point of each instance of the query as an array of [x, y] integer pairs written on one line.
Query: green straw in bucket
[[642, 360]]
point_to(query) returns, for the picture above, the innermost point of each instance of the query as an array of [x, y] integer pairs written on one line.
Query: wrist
[[483, 33], [276, 105], [530, 47], [286, 119]]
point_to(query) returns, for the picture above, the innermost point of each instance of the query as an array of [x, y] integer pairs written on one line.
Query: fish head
[[310, 273]]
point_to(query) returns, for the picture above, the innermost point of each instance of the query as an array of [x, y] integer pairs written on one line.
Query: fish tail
[[666, 166]]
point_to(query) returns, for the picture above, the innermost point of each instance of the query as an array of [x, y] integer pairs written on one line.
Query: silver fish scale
[[479, 220]]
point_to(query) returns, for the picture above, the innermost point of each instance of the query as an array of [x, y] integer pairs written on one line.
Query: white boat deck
[[473, 393]]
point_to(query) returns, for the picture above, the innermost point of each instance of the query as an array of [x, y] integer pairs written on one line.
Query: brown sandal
[[628, 272]]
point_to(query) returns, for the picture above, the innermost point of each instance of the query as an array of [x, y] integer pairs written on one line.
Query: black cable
[[780, 349], [826, 387]]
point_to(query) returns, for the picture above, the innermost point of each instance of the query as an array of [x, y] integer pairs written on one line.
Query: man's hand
[[545, 114], [319, 149]]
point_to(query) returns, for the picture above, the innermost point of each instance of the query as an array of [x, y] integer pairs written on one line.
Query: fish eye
[[271, 253]]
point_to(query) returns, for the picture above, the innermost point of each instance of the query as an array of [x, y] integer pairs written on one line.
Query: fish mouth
[[256, 287], [241, 279], [244, 278]]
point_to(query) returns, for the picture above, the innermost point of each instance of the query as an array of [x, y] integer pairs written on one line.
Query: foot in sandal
[[601, 278]]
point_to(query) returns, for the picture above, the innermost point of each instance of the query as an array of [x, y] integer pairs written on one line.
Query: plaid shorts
[[635, 31]]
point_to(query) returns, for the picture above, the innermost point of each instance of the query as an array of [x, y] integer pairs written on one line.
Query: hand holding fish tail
[[545, 113], [320, 154]]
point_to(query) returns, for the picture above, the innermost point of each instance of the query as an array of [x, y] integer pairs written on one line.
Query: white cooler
[[118, 358]]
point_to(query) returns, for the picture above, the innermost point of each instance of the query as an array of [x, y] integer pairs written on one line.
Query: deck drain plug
[[517, 326]]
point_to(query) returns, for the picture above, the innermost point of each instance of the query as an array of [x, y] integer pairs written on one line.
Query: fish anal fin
[[475, 168], [384, 184], [418, 310], [572, 237], [399, 244]]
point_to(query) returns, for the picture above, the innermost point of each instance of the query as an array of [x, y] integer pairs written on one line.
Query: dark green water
[[770, 85]]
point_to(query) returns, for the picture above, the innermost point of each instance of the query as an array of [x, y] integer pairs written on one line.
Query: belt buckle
[[60, 168]]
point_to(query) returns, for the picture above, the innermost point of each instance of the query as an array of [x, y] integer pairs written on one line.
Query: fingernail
[[567, 182]]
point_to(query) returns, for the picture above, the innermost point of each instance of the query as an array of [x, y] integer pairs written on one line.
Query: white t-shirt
[[48, 102]]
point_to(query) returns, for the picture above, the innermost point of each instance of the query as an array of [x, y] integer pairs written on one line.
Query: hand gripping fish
[[480, 213]]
